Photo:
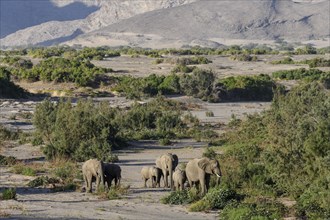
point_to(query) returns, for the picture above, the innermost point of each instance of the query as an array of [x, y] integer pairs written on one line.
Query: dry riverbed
[[139, 203]]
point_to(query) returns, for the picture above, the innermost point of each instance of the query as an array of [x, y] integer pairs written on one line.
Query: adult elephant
[[167, 163], [112, 172], [200, 171], [93, 168]]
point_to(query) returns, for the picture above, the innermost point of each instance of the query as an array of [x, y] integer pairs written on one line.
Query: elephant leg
[[153, 182], [116, 181], [145, 183], [108, 182], [202, 185], [86, 182], [190, 183], [98, 179], [207, 182], [165, 178], [89, 183], [182, 185]]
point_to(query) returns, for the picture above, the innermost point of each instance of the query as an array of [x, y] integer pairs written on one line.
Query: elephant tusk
[[218, 175]]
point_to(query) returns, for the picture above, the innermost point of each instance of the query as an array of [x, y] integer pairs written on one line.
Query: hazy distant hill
[[26, 22], [168, 23]]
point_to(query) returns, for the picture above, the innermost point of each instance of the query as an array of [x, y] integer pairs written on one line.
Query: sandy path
[[140, 203]]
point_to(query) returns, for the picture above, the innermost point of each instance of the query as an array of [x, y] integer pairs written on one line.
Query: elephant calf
[[112, 172], [93, 169], [152, 173], [179, 178]]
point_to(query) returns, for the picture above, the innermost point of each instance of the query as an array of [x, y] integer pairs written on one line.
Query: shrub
[[181, 197], [276, 153], [44, 181], [81, 132], [181, 68], [24, 170], [209, 153], [82, 73], [302, 73], [244, 57], [317, 62], [4, 160], [239, 88], [286, 60], [267, 210], [8, 194], [164, 141], [209, 114], [7, 88]]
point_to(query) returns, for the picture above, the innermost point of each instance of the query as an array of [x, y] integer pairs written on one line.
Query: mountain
[[46, 22], [209, 22], [162, 23]]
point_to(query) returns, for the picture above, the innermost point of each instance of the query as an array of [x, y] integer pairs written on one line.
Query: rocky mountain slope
[[168, 23], [208, 22], [46, 22]]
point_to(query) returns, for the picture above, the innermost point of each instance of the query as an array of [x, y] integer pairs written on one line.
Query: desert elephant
[[93, 168], [167, 163], [179, 178], [152, 173], [112, 172], [200, 170]]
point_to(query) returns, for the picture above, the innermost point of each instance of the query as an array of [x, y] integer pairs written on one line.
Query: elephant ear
[[205, 165], [175, 160]]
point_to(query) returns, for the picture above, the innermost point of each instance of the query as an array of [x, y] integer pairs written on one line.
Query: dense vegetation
[[7, 88], [282, 153], [91, 131], [317, 62], [200, 84], [241, 88], [100, 53], [285, 151], [302, 73], [312, 63], [82, 73]]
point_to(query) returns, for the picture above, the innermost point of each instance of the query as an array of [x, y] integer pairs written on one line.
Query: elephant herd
[[197, 171]]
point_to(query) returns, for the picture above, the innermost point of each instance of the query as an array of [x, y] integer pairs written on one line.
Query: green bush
[[81, 132], [181, 68], [181, 197], [209, 153], [239, 88], [215, 198], [7, 88], [24, 170], [267, 210], [8, 194], [4, 160], [244, 57], [302, 73], [209, 114], [286, 60], [278, 152], [90, 130], [43, 181], [317, 62], [57, 69]]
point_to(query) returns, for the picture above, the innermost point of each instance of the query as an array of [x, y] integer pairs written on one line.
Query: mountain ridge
[[176, 23]]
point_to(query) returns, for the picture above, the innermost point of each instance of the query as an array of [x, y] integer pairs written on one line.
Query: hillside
[[209, 22], [162, 23], [50, 22]]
